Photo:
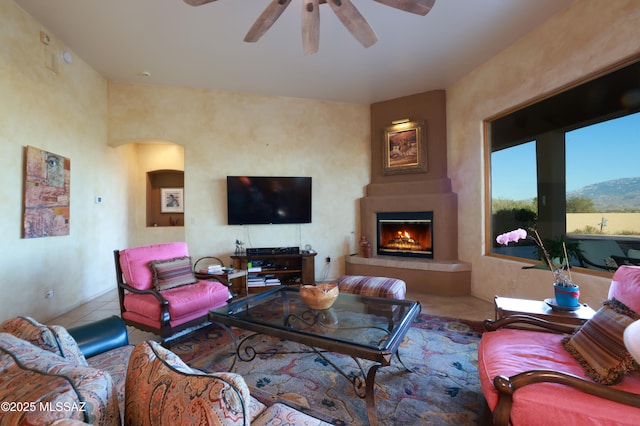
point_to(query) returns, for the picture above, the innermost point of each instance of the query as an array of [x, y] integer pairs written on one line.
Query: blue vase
[[567, 296]]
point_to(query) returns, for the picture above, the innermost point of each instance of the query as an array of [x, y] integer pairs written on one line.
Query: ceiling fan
[[348, 14]]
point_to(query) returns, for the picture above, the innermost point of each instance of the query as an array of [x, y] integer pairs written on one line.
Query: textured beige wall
[[587, 37], [245, 134], [64, 113], [74, 113]]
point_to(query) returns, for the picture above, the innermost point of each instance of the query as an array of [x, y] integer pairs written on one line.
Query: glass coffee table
[[361, 327]]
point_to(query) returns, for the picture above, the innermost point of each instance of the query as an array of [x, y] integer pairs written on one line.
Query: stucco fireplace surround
[[442, 273]]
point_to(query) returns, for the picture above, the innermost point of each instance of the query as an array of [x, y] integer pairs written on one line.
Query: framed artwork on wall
[[171, 200], [46, 194], [405, 148]]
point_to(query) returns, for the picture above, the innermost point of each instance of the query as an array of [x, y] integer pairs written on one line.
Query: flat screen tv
[[260, 200]]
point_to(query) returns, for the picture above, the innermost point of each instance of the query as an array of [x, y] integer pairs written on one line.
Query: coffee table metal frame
[[316, 329]]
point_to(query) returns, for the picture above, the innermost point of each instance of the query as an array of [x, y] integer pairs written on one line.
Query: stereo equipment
[[272, 250]]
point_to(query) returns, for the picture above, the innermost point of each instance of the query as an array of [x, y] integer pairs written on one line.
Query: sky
[[615, 143]]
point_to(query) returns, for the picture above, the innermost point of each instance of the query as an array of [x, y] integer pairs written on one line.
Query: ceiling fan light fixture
[[345, 10]]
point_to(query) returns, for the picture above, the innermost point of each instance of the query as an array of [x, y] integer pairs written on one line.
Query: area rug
[[441, 389]]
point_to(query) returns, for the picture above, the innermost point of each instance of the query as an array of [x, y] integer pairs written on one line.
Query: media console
[[289, 269]]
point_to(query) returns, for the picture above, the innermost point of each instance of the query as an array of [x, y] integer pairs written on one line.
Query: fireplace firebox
[[408, 234]]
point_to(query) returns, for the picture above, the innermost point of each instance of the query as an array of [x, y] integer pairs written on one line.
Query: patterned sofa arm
[[162, 389], [55, 339], [61, 388]]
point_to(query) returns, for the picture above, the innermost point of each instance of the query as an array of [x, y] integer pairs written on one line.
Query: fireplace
[[407, 234], [435, 267]]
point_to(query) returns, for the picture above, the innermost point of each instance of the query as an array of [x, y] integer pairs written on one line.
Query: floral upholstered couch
[[46, 378], [91, 375], [158, 378]]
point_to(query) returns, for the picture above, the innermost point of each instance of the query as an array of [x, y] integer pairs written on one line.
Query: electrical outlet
[[328, 259], [48, 294]]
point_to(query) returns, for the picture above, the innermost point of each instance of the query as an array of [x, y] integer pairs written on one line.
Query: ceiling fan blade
[[266, 20], [198, 2], [419, 7], [310, 26], [354, 21]]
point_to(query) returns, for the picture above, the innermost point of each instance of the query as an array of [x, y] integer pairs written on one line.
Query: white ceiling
[[203, 46]]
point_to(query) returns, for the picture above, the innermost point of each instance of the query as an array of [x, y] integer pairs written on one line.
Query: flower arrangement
[[557, 270]]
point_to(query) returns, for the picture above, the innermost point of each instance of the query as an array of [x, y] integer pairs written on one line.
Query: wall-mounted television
[[260, 200]]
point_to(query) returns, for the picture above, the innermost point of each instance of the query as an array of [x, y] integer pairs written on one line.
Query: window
[[568, 166]]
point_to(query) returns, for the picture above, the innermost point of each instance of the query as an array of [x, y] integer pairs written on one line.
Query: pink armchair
[[159, 292], [583, 377]]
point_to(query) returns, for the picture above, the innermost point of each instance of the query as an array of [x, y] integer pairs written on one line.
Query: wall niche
[[156, 180]]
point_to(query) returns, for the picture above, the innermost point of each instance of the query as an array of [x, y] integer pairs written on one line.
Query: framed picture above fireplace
[[405, 148]]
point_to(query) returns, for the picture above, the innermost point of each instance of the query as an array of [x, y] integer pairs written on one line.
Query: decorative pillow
[[599, 346], [161, 389], [172, 273]]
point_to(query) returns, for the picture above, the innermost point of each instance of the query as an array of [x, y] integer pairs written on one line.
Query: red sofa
[[528, 377]]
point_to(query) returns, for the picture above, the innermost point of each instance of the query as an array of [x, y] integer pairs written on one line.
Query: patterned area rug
[[442, 389]]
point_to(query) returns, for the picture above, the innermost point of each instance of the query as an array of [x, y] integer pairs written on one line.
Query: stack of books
[[211, 269], [255, 280], [271, 279]]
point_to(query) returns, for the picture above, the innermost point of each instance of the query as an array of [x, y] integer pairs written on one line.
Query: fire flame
[[404, 234]]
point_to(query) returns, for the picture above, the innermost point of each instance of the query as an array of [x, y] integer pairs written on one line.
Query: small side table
[[226, 278], [537, 308]]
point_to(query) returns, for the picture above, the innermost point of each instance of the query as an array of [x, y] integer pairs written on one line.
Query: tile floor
[[465, 307]]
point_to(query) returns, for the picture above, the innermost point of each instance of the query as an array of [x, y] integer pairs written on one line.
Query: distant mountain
[[612, 195]]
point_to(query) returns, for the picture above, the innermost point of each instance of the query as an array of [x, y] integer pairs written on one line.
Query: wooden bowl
[[319, 297]]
